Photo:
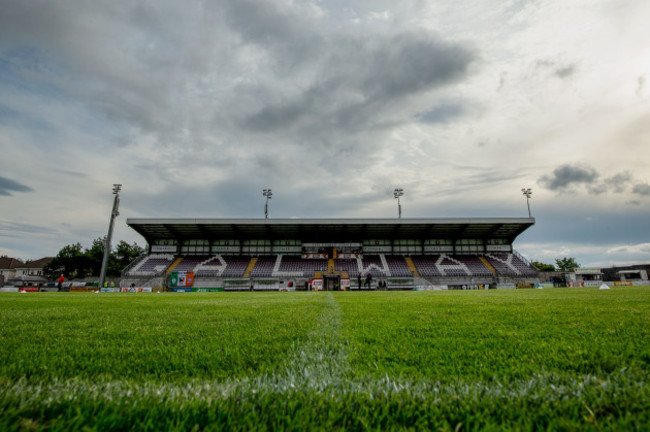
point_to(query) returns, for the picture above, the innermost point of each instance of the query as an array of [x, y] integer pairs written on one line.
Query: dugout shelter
[[288, 254]]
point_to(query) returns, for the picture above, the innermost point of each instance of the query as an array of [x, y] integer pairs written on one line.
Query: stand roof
[[331, 230]]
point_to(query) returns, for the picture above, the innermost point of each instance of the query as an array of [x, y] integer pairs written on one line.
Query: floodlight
[[398, 192], [527, 192], [107, 246], [268, 193]]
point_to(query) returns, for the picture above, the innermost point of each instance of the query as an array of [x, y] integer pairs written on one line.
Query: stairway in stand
[[251, 266], [330, 266], [487, 264], [411, 265], [173, 265]]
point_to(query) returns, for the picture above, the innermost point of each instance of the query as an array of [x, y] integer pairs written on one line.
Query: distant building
[[626, 273], [8, 268], [33, 268]]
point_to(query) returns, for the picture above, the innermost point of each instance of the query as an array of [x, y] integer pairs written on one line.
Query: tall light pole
[[107, 246], [527, 193], [396, 194], [268, 193]]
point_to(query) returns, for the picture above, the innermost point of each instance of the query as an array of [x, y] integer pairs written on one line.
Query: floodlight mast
[[398, 192], [268, 193], [527, 193], [107, 245]]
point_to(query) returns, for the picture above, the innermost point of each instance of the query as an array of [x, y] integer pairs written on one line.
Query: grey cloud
[[616, 183], [269, 75], [565, 176], [361, 80], [565, 71], [557, 68], [7, 186], [412, 62], [619, 181], [287, 31], [442, 113], [13, 229], [642, 189]]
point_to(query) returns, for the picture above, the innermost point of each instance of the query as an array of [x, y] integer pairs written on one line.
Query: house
[[33, 268], [8, 267]]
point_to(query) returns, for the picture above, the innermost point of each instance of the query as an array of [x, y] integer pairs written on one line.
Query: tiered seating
[[264, 266], [380, 266], [189, 263], [510, 265], [451, 266], [474, 265], [226, 266], [290, 265], [523, 267], [426, 265], [236, 265], [349, 265], [448, 265], [397, 266], [374, 265], [151, 265]]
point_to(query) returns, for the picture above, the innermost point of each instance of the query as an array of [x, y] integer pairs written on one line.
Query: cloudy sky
[[196, 106]]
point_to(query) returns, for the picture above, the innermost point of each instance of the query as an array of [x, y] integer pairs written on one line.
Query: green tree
[[74, 262], [70, 261], [543, 267], [123, 256], [95, 256], [566, 264]]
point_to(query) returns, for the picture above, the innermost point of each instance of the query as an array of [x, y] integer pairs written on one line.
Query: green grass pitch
[[552, 359]]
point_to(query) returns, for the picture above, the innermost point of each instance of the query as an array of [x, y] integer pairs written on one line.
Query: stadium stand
[[292, 253], [378, 265]]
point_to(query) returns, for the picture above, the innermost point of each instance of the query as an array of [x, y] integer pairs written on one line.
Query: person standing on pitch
[[61, 280]]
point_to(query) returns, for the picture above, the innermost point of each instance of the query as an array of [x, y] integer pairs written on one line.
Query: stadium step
[[251, 266], [487, 264], [411, 265], [171, 268], [330, 266]]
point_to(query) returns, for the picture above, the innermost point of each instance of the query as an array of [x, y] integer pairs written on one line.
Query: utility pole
[[107, 246]]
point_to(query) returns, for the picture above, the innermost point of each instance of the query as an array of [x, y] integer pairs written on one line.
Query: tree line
[[561, 264], [74, 261]]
